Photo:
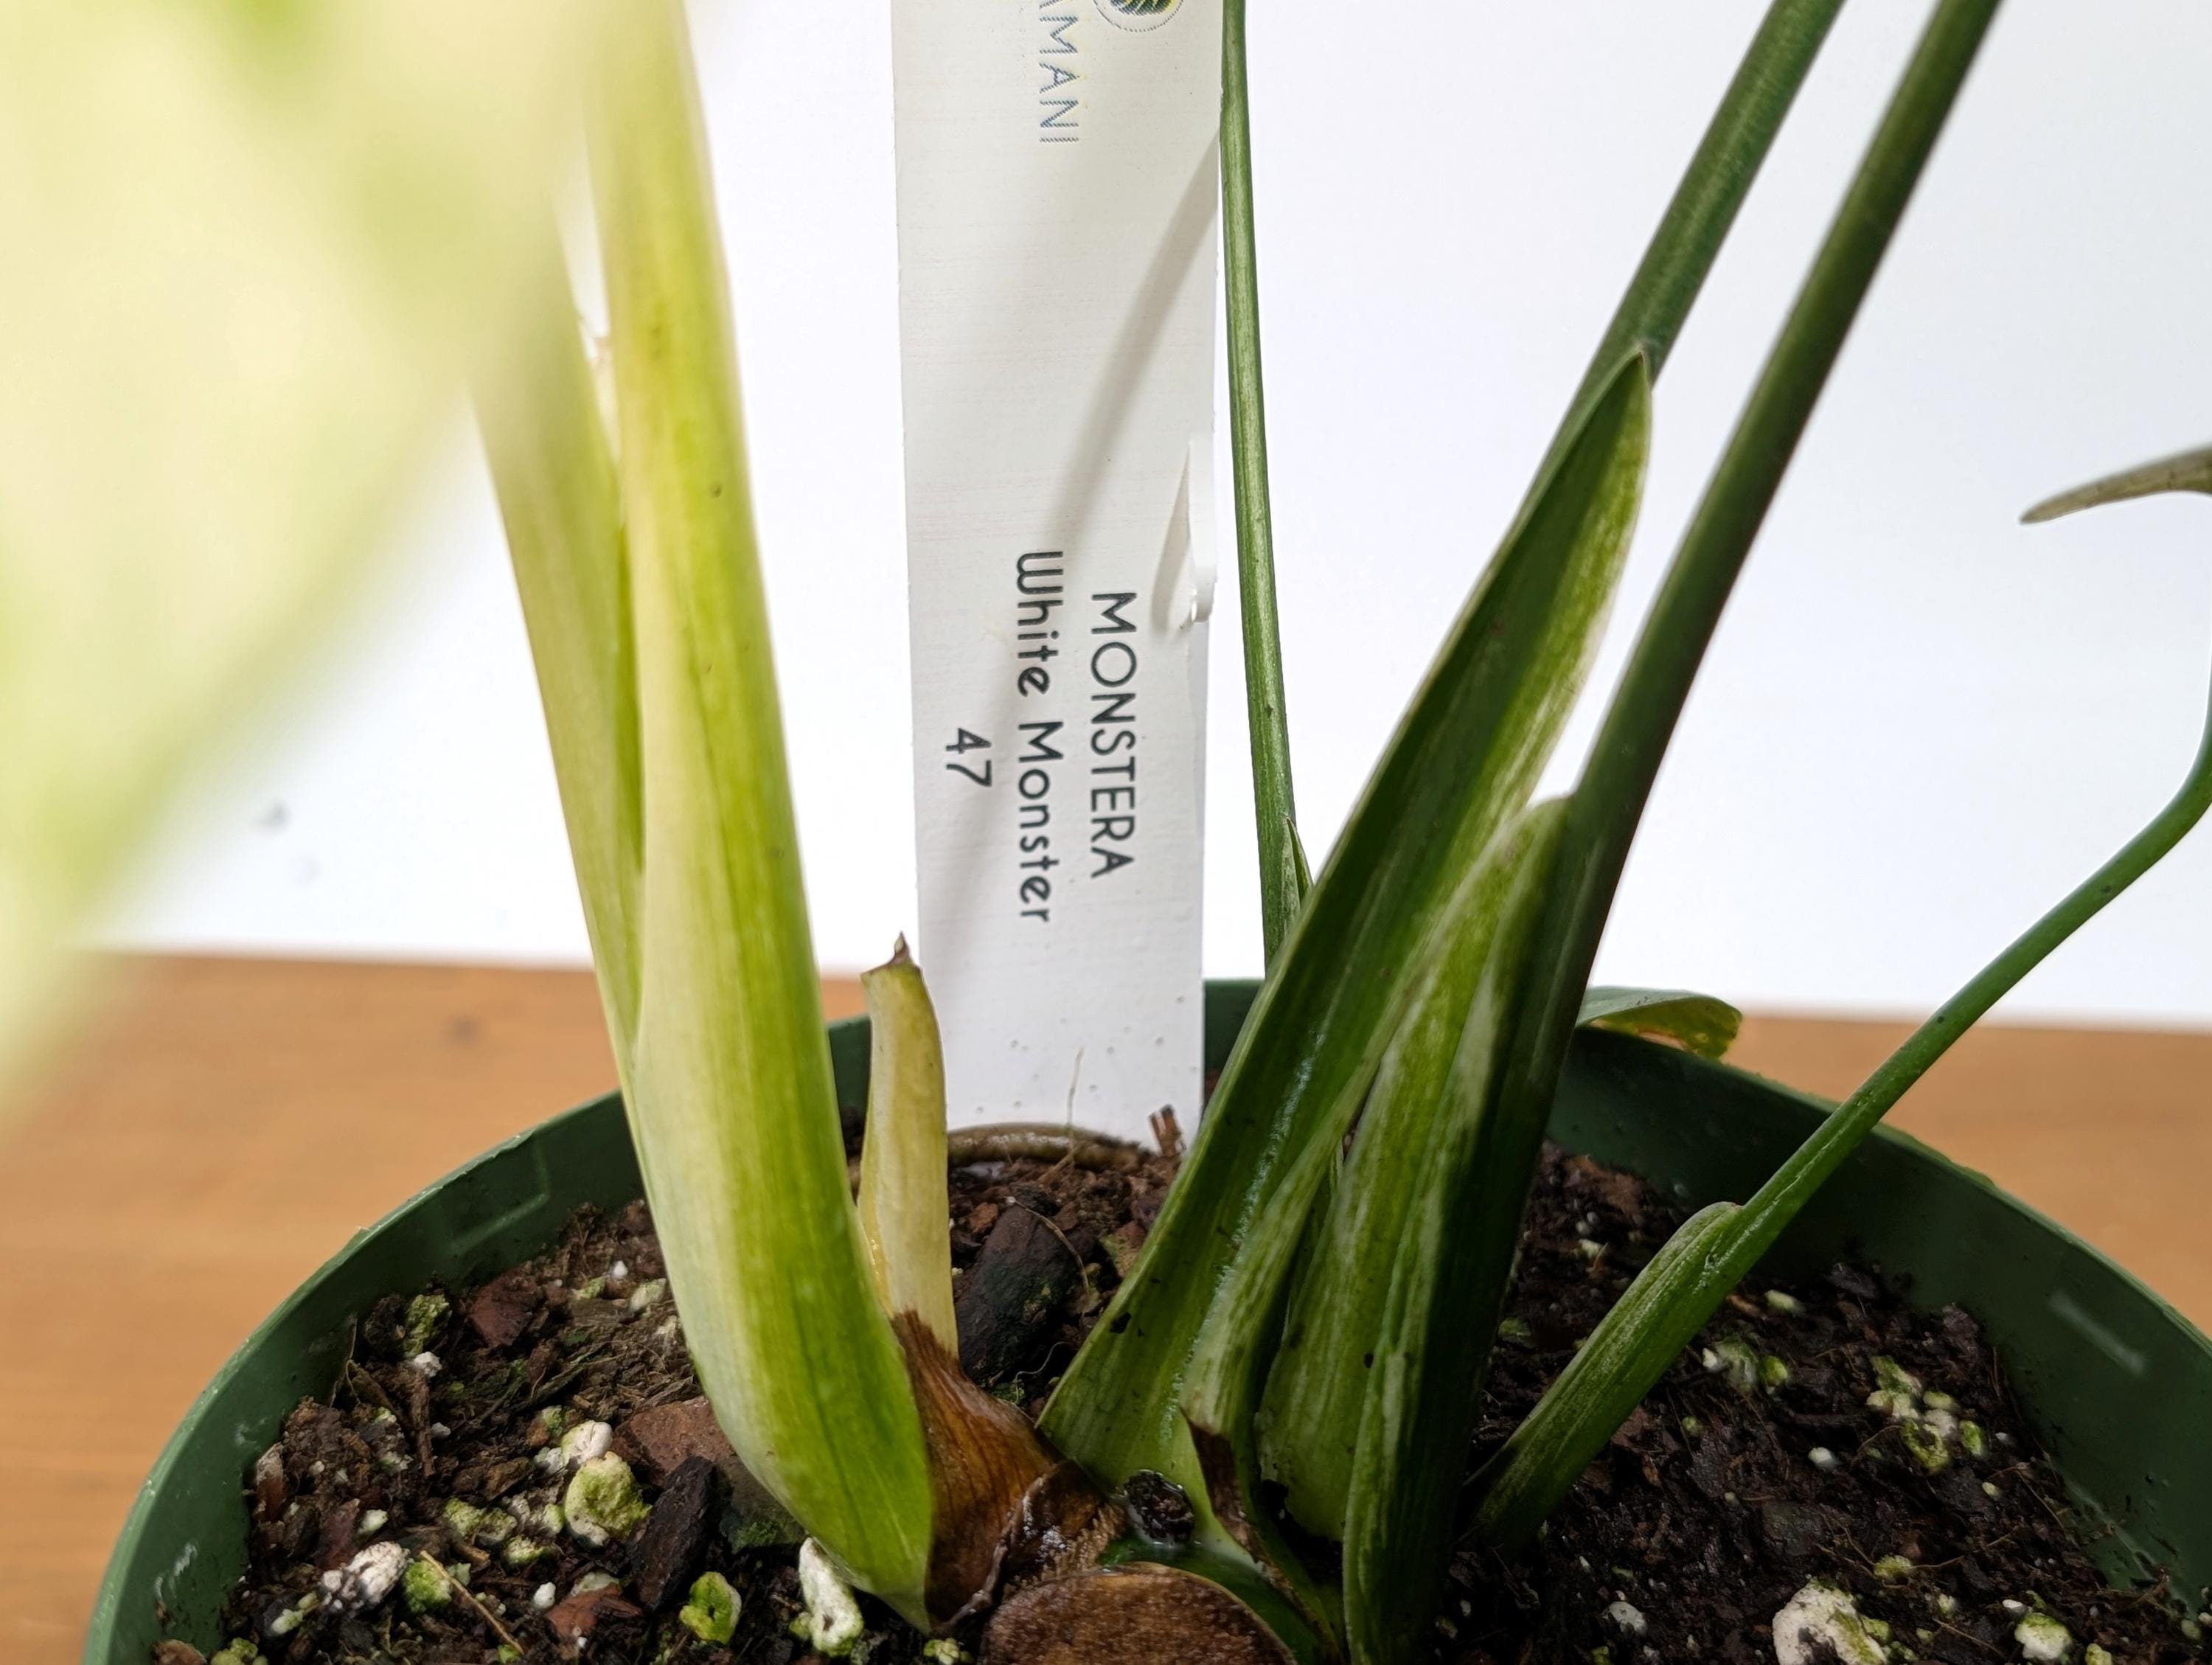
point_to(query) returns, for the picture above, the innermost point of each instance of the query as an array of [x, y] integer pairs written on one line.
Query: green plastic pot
[[2118, 1384]]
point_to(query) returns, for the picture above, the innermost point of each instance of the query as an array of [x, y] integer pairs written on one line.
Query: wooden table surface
[[219, 1127]]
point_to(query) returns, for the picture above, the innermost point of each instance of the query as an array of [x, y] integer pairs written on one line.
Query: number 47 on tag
[[965, 742]]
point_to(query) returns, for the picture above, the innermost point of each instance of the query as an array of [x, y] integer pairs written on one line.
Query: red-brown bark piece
[[503, 1309], [659, 1440], [1137, 1615], [578, 1619]]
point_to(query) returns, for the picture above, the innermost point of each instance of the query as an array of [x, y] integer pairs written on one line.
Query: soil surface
[[1756, 1467]]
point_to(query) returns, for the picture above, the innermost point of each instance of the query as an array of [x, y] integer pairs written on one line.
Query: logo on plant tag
[[1139, 15]]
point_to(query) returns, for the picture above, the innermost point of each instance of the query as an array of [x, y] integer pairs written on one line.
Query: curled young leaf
[[904, 1218]]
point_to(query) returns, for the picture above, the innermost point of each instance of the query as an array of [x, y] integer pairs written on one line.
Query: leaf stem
[[1777, 1202], [1704, 205], [1281, 887], [1640, 721]]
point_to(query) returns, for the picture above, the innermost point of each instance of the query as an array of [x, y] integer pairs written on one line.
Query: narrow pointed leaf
[[1464, 760], [734, 1108], [1319, 1381], [1633, 1345], [1696, 1023], [905, 1217], [1446, 1294], [560, 501]]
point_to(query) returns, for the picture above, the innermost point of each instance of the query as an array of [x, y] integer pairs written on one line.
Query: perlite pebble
[[831, 1623], [1782, 1302], [290, 1619], [371, 1523], [2043, 1638], [1625, 1617], [603, 1503], [646, 1295], [362, 1583], [584, 1441], [594, 1580], [543, 1597], [1893, 1569], [2095, 1655], [1824, 1459], [945, 1651], [710, 1612], [1736, 1359], [1821, 1623]]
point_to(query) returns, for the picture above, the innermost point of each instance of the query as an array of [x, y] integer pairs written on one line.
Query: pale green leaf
[[732, 1101], [1696, 1023], [253, 250], [904, 1215]]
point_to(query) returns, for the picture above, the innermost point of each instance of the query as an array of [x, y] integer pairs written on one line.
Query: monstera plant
[[1300, 1352]]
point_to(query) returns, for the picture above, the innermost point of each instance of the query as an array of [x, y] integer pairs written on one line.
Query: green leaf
[[732, 1105], [905, 1218], [1696, 1023], [1626, 1355], [1319, 1382], [1464, 760], [1455, 1249]]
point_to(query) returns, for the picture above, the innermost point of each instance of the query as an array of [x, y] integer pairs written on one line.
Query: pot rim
[[1629, 1068]]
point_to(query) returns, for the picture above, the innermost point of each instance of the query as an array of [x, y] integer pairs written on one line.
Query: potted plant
[[1266, 1445]]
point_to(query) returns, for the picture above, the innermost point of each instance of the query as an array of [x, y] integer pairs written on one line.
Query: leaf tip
[[2189, 470]]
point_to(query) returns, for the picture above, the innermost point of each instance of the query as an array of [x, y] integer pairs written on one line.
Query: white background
[[1920, 721]]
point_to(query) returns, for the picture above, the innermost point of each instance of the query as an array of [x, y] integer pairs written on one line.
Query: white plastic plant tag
[[1057, 193]]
